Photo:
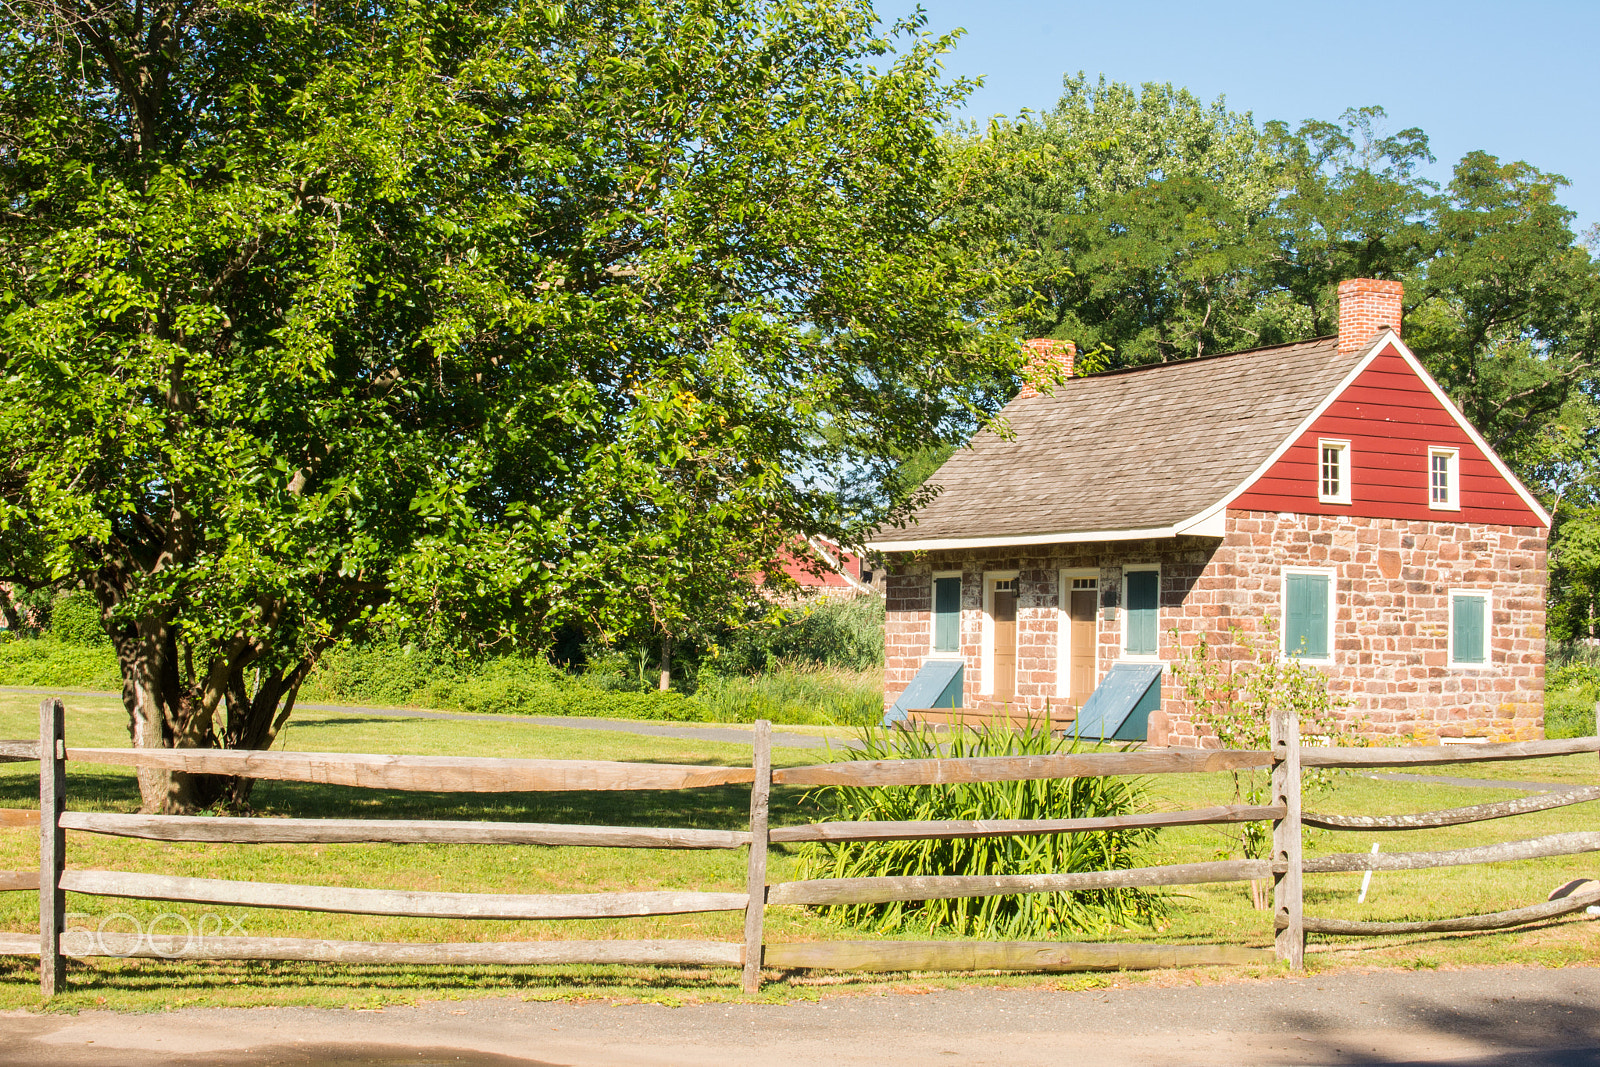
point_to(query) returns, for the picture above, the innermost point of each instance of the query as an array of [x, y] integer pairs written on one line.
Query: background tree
[[1145, 224], [470, 317], [1151, 227]]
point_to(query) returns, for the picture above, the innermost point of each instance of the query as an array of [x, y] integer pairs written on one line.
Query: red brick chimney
[[1367, 305], [1045, 357]]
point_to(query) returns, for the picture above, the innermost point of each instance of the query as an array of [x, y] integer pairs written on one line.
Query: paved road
[[1530, 1017]]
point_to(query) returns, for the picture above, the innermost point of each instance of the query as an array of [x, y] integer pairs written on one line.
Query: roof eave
[[1207, 526]]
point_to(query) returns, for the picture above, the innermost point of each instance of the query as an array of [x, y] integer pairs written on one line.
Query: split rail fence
[[1286, 865]]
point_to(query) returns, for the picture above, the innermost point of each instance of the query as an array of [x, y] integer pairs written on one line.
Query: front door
[[1085, 594], [1005, 639]]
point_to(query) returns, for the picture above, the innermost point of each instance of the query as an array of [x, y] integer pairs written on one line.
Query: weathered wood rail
[[1286, 865]]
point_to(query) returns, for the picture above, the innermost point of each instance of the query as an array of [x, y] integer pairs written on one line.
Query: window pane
[[1467, 629], [1330, 471], [1441, 479], [946, 614], [1144, 593], [1305, 628]]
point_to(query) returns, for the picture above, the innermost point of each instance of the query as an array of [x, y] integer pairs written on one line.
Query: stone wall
[[1389, 635]]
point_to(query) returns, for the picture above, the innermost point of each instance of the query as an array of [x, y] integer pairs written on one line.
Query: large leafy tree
[[1143, 222], [470, 315]]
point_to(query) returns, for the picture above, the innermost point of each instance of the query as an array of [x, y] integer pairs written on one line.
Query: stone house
[[1328, 486]]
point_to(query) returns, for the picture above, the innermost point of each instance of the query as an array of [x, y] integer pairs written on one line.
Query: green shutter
[[1305, 626], [1144, 597], [947, 614], [1468, 644]]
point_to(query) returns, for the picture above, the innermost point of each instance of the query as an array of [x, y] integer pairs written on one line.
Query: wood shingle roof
[[1140, 449]]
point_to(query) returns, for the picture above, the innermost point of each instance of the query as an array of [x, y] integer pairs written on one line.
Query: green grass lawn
[[1196, 915]]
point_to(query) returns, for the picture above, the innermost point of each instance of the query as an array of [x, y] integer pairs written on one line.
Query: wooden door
[[1005, 640], [1081, 638]]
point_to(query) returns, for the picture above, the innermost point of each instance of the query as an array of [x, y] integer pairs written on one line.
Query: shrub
[[1235, 698], [1029, 915], [1571, 687], [1568, 713], [829, 631], [49, 661], [75, 620]]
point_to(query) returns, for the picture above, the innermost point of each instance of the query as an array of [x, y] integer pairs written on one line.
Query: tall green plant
[[1030, 915], [1234, 696]]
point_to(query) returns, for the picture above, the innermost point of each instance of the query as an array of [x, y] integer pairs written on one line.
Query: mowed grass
[[1196, 915]]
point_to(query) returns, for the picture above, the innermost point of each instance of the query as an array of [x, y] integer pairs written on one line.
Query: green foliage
[[793, 693], [481, 319], [75, 620], [1146, 222], [1572, 665], [1571, 688], [49, 661], [1232, 691], [1030, 915], [393, 674], [827, 631], [1568, 713]]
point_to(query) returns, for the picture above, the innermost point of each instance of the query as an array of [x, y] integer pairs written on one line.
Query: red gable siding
[[1390, 418]]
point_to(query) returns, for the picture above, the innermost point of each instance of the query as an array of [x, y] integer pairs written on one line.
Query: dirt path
[[1532, 1017]]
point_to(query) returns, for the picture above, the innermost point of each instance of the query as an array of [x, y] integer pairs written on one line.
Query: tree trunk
[[666, 664]]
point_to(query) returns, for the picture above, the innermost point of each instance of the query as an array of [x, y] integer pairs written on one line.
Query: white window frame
[[1064, 627], [986, 662], [1343, 496], [1488, 628], [1452, 478], [1284, 651], [1122, 635], [933, 616]]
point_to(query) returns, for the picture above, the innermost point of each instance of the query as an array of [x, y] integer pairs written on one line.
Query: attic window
[[1444, 479], [1333, 472]]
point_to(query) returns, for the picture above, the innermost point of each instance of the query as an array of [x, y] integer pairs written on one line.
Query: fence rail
[[1286, 865]]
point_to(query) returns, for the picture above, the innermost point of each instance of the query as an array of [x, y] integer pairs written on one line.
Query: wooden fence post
[[756, 877], [1288, 911], [52, 845]]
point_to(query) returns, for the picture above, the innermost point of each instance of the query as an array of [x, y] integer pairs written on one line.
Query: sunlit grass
[[1195, 915]]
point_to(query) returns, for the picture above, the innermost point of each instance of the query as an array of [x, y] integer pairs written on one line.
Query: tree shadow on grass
[[97, 788], [130, 983]]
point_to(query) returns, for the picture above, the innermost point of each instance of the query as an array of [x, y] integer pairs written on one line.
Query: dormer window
[[1444, 479], [1333, 472]]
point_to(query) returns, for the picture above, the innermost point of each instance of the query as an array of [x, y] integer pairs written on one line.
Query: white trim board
[[1209, 526]]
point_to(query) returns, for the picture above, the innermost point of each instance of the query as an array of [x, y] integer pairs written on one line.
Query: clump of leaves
[[1233, 693], [1016, 916]]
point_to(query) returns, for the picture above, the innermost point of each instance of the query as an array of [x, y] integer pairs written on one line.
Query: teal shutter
[[1467, 626], [947, 614], [1305, 626], [1144, 597]]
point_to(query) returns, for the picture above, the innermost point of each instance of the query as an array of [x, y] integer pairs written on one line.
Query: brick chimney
[[1367, 305], [1046, 356]]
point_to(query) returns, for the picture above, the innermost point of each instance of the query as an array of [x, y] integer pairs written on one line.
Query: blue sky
[[1519, 80]]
